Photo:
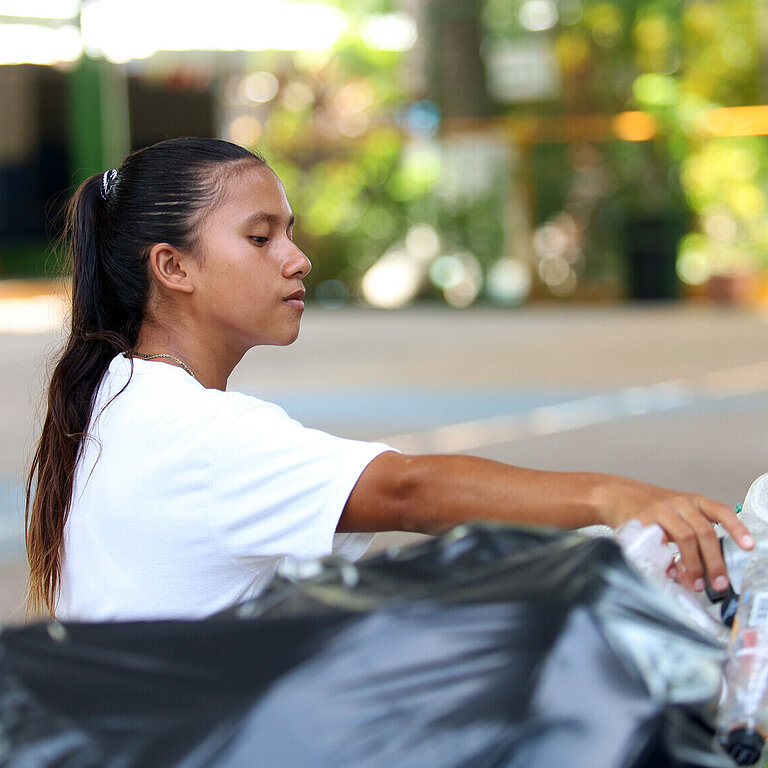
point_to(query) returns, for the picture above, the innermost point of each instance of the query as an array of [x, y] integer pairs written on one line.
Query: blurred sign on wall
[[521, 70]]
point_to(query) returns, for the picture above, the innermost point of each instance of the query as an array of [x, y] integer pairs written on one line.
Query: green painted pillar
[[99, 131]]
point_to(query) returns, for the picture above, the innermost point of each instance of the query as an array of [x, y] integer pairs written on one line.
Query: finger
[[708, 545], [720, 513], [672, 572], [682, 577], [690, 567]]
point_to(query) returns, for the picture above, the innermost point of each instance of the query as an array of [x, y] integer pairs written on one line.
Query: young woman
[[154, 492]]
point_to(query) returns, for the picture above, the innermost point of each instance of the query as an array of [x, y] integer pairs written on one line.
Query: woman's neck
[[209, 365]]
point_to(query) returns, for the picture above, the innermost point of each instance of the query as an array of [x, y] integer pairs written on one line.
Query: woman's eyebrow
[[271, 218]]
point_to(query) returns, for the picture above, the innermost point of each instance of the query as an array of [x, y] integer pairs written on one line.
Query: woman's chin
[[284, 340]]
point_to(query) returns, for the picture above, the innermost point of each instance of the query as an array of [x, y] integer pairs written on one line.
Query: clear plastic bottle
[[743, 718], [736, 560], [754, 514], [756, 500], [646, 548], [735, 557]]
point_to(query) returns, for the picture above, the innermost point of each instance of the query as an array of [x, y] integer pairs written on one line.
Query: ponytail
[[158, 194], [91, 345]]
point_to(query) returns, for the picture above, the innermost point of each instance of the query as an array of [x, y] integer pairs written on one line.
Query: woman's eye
[[260, 240]]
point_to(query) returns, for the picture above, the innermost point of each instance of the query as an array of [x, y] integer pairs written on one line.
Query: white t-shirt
[[186, 500]]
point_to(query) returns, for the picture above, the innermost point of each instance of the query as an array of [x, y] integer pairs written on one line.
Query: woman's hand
[[686, 518]]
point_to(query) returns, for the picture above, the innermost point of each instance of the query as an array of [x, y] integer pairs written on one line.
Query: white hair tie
[[107, 181]]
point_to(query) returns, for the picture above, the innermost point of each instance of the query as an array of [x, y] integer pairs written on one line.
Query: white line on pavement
[[585, 412]]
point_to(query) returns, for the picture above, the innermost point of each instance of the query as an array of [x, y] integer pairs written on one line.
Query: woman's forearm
[[429, 493]]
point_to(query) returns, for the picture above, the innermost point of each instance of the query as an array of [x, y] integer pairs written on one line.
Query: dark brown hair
[[159, 195]]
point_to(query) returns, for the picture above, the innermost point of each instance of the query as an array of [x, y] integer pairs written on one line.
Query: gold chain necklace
[[167, 357]]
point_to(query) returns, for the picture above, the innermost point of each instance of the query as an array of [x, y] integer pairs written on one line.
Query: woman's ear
[[169, 268]]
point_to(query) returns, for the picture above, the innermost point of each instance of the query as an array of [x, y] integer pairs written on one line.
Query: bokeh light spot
[[634, 126], [693, 264], [652, 33], [393, 281], [538, 15], [298, 95], [655, 89], [422, 119], [390, 32], [245, 130], [422, 242], [259, 87], [607, 31], [459, 276], [509, 281], [331, 294], [554, 271]]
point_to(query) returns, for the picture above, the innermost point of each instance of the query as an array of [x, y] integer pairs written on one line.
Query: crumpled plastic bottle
[[645, 547], [743, 720], [754, 514], [743, 716], [736, 562], [756, 500]]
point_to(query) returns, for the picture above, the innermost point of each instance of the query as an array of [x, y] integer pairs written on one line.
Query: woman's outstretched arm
[[429, 493]]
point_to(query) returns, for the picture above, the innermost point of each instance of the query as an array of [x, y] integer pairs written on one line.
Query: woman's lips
[[295, 300]]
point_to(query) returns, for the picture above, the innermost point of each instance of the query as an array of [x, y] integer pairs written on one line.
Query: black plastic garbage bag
[[487, 647]]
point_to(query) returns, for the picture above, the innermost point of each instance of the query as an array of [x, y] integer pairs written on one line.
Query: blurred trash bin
[[651, 251]]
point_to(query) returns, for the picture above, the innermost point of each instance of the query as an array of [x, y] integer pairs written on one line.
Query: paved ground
[[674, 395]]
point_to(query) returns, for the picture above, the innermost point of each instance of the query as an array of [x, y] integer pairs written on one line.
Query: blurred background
[[459, 151], [566, 200]]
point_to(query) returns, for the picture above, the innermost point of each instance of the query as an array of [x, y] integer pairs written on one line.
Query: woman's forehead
[[256, 194]]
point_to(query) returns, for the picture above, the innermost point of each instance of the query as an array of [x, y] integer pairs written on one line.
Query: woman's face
[[247, 277]]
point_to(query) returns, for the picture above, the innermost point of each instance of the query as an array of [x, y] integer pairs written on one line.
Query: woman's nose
[[298, 265]]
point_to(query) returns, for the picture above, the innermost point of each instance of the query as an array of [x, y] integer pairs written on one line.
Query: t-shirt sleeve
[[279, 488]]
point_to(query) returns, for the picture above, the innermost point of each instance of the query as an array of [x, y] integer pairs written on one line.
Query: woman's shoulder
[[239, 404]]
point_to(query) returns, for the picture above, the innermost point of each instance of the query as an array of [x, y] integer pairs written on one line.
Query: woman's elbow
[[390, 495]]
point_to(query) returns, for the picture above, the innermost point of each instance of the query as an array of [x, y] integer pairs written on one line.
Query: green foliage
[[676, 61], [348, 201], [357, 175]]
